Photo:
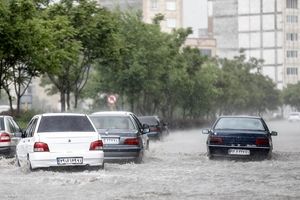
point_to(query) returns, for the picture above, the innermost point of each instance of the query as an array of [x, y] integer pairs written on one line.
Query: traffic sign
[[111, 99]]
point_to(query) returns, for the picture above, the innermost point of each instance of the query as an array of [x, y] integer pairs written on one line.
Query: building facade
[[264, 29], [183, 14], [122, 4]]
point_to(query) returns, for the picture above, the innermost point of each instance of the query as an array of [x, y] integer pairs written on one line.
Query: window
[[292, 36], [291, 54], [171, 23], [65, 123], [154, 4], [292, 4], [292, 71], [291, 19], [205, 52], [112, 122], [171, 5]]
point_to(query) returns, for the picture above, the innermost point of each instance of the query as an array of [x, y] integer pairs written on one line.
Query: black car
[[158, 128], [239, 136]]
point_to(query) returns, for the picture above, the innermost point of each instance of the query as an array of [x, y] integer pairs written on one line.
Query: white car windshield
[[65, 124]]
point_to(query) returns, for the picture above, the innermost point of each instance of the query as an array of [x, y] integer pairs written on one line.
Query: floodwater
[[175, 168]]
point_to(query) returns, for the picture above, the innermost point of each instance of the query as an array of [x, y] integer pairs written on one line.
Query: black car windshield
[[112, 122], [240, 123], [65, 124], [148, 120]]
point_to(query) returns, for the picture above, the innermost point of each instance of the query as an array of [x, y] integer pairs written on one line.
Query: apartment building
[[122, 4], [183, 13], [291, 45], [264, 29]]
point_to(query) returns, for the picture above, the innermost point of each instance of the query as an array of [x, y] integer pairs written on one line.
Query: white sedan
[[60, 139]]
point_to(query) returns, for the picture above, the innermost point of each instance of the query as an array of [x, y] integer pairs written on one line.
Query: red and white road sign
[[111, 99]]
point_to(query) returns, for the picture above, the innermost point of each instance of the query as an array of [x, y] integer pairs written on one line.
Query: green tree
[[23, 44], [244, 89], [291, 95], [93, 34]]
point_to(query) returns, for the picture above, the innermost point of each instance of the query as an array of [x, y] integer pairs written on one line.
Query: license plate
[[239, 152], [111, 140], [69, 161]]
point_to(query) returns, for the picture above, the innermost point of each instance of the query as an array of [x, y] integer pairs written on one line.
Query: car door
[[15, 131], [143, 136], [25, 145]]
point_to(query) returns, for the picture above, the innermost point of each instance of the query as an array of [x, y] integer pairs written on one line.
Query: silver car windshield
[[240, 123], [2, 124], [65, 124], [112, 122]]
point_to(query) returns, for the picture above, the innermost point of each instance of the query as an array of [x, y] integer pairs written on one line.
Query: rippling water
[[175, 168]]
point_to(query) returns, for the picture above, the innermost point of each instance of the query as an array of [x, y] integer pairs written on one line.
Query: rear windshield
[[294, 114], [65, 124], [112, 122], [148, 120], [2, 124], [240, 123]]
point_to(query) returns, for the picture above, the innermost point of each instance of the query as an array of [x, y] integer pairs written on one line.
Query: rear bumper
[[7, 149], [154, 135], [49, 159], [119, 154], [222, 151]]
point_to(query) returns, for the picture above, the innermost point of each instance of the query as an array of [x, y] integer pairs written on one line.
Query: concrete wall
[[195, 15], [225, 27]]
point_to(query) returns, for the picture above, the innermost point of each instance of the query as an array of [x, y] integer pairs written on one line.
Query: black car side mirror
[[206, 131], [274, 133], [146, 128]]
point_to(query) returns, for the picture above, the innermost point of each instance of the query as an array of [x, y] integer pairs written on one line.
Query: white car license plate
[[111, 140], [68, 161], [239, 152]]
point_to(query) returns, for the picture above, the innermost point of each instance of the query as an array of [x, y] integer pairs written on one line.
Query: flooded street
[[175, 168]]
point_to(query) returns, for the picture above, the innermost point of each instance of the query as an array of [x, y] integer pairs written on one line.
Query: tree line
[[81, 50]]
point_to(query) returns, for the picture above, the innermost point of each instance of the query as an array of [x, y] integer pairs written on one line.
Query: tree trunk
[[10, 99], [76, 96], [68, 101], [62, 101]]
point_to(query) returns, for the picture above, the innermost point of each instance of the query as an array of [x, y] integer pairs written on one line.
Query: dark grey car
[[123, 136], [10, 135]]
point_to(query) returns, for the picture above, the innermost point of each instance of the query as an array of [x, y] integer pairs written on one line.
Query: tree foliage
[[291, 96]]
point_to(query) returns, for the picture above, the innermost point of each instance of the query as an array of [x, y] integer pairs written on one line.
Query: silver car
[[10, 135], [124, 137]]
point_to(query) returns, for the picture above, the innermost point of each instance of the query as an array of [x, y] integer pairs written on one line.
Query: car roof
[[112, 113], [62, 114], [2, 116], [148, 116], [240, 116]]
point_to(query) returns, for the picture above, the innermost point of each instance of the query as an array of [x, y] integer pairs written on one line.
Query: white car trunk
[[68, 141]]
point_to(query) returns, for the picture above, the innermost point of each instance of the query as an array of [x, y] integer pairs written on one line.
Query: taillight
[[96, 145], [155, 129], [215, 140], [132, 141], [40, 147], [4, 137], [262, 141]]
